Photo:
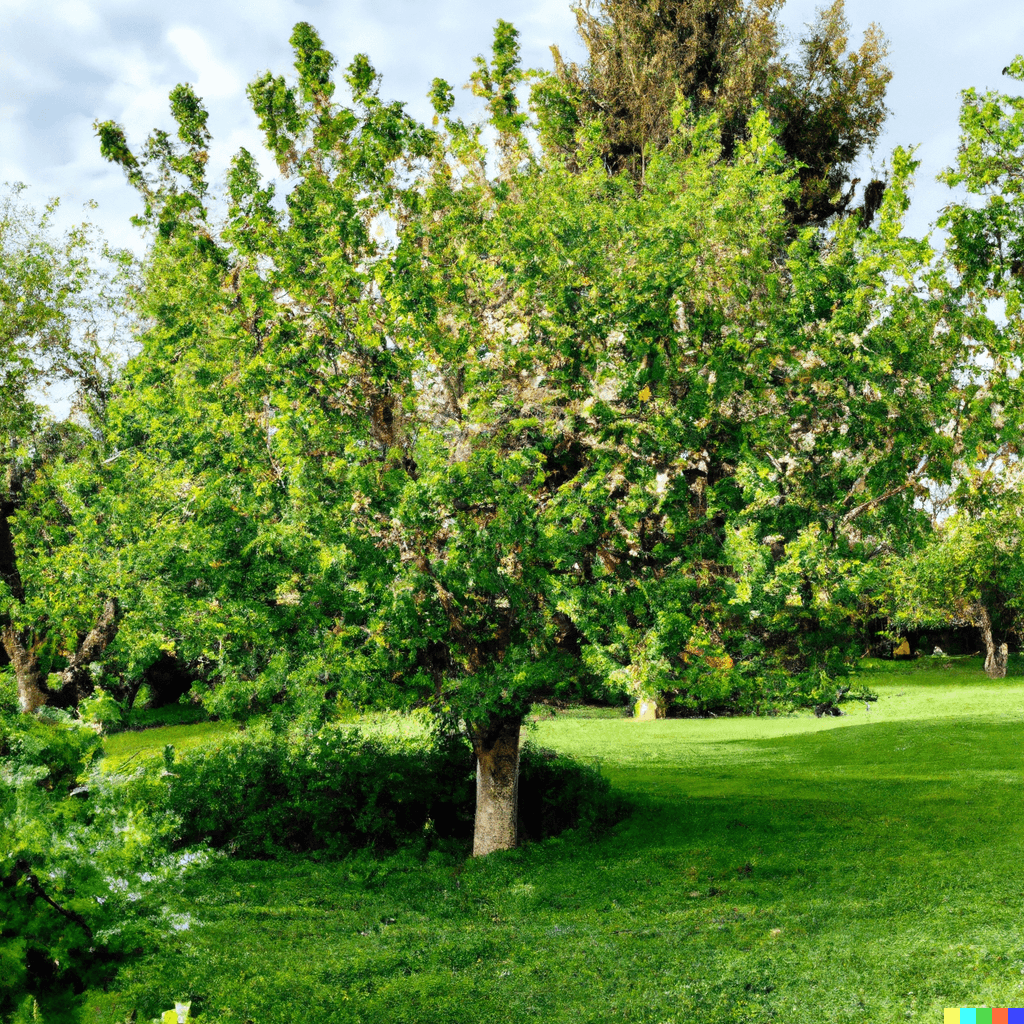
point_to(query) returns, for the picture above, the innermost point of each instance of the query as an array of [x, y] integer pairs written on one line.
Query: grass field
[[864, 869]]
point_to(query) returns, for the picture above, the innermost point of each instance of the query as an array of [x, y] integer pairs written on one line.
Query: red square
[[1000, 1016]]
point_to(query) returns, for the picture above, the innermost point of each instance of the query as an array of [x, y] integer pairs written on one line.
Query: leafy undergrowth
[[860, 869]]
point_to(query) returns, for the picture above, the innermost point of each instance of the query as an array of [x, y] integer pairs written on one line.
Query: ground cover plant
[[862, 869]]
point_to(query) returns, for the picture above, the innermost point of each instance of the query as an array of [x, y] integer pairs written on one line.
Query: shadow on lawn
[[902, 821]]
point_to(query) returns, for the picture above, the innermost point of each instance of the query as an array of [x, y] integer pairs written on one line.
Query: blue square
[[1015, 1016]]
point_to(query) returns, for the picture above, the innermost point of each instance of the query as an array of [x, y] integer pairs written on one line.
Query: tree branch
[[881, 499], [37, 888], [873, 503]]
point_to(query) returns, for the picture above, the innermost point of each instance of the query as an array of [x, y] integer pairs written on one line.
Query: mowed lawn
[[868, 868]]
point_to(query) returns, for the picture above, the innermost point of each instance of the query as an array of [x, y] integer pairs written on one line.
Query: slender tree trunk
[[995, 657], [32, 690], [496, 744]]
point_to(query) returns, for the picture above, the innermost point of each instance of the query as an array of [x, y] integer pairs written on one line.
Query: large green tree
[[428, 426], [450, 383]]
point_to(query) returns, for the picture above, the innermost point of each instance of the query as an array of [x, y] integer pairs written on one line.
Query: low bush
[[756, 689], [53, 748], [261, 794], [8, 693], [558, 792]]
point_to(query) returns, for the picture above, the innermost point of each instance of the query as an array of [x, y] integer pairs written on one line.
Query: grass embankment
[[862, 869]]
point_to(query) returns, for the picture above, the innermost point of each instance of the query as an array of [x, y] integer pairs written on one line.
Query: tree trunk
[[496, 744], [32, 690], [75, 678], [995, 657]]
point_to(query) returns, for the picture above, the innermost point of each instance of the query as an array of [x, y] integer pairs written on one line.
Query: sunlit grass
[[124, 748]]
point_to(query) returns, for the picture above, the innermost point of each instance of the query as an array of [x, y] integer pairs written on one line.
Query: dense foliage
[[542, 426], [731, 57]]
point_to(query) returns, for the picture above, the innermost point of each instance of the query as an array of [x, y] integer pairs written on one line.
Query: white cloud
[[214, 79], [76, 15]]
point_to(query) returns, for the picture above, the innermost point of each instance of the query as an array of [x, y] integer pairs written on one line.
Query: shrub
[[761, 689], [260, 794], [557, 792], [54, 749], [102, 709], [8, 693]]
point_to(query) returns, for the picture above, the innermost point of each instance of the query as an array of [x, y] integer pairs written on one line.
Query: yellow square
[[951, 1016]]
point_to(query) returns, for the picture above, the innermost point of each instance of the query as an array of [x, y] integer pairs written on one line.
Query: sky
[[65, 64]]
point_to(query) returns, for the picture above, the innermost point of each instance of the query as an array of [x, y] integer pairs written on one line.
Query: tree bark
[[496, 744], [995, 657], [75, 677], [32, 689]]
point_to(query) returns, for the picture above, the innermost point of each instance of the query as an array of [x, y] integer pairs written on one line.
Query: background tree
[[970, 571], [56, 309], [729, 56], [987, 228]]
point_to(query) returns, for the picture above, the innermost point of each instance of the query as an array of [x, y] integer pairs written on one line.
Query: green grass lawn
[[865, 869], [125, 749]]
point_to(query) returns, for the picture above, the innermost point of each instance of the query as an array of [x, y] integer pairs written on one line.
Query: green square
[[983, 1015]]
